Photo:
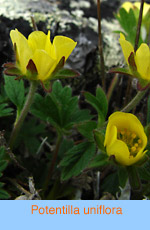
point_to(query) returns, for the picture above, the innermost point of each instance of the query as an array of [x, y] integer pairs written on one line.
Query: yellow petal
[[130, 122], [126, 46], [44, 64], [62, 46], [24, 53], [49, 47], [111, 134], [142, 59], [38, 40], [126, 122], [127, 6], [145, 9], [120, 150]]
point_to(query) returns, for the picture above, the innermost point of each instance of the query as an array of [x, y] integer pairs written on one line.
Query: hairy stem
[[18, 124], [134, 102], [53, 162], [100, 45], [112, 86]]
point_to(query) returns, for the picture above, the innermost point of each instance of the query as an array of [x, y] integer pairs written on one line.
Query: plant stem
[[18, 124], [134, 102], [34, 23], [139, 25], [54, 158], [112, 86], [128, 92], [100, 45]]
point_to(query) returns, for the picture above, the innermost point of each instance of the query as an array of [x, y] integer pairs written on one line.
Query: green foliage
[[99, 103], [123, 176], [99, 161], [144, 171], [15, 91], [86, 129], [59, 108], [111, 183], [99, 138], [64, 147], [5, 110], [76, 159], [66, 73], [29, 134], [128, 22], [3, 165], [61, 191]]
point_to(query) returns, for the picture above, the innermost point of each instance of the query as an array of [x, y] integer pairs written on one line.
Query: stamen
[[133, 135], [139, 141], [128, 133], [131, 139], [122, 132], [133, 149]]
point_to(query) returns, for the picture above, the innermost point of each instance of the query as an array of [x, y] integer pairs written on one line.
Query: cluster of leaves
[[58, 113], [128, 22], [59, 110]]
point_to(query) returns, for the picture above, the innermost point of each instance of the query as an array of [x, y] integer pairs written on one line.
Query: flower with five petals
[[125, 138]]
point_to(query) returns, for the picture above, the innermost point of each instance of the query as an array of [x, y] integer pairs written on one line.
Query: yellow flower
[[145, 9], [36, 57], [125, 138], [136, 6], [139, 61]]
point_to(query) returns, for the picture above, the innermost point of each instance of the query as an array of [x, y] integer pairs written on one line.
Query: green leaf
[[99, 102], [144, 171], [2, 152], [61, 191], [12, 71], [46, 109], [1, 184], [99, 138], [4, 194], [59, 108], [133, 177], [123, 176], [66, 73], [128, 22], [121, 71], [86, 129], [29, 134], [111, 183], [3, 165], [64, 147], [76, 159], [15, 91], [99, 161], [47, 86], [5, 111], [101, 96]]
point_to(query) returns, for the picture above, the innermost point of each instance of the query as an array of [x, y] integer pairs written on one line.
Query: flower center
[[131, 139]]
